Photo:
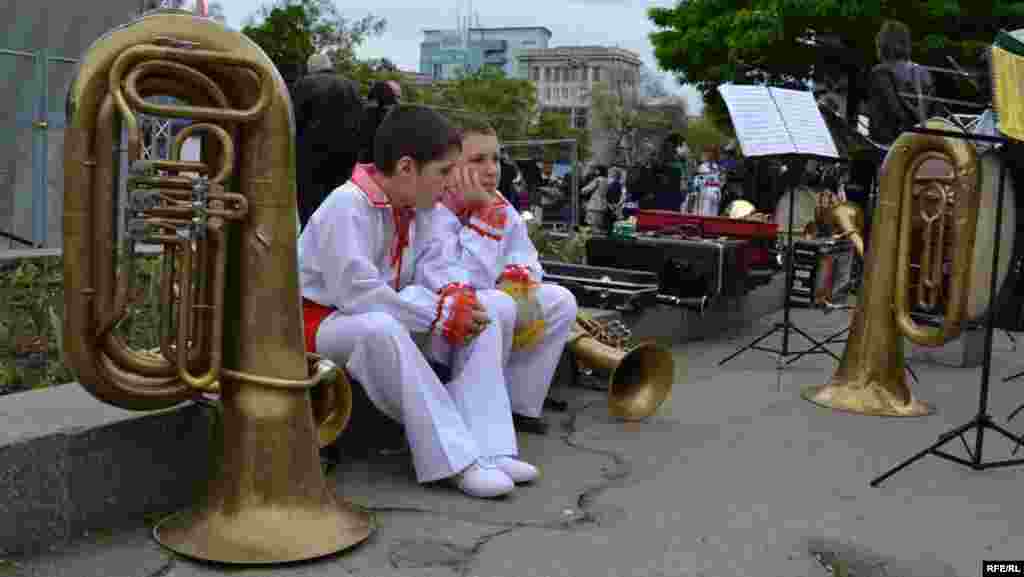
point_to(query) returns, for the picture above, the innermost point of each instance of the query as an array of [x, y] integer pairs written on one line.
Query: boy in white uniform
[[356, 260], [481, 240]]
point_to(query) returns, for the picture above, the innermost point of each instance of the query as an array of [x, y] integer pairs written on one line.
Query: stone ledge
[[70, 464]]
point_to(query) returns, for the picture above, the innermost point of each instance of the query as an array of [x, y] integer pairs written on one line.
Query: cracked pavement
[[735, 476]]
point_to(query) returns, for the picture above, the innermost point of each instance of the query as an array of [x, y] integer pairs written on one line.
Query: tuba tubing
[[229, 279], [870, 378]]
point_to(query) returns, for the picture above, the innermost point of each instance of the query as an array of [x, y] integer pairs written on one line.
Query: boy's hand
[[467, 184], [480, 321]]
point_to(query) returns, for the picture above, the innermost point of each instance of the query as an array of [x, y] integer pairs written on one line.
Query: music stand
[[982, 420], [784, 124], [787, 324]]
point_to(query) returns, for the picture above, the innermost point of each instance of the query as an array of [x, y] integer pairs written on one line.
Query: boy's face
[[432, 177], [480, 154]]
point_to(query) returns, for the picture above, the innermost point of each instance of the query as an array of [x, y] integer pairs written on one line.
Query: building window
[[565, 92], [597, 74], [547, 74], [437, 71], [547, 93], [583, 72], [534, 73]]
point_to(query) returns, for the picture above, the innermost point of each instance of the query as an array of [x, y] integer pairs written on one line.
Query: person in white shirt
[[597, 204], [357, 255], [481, 240], [708, 184]]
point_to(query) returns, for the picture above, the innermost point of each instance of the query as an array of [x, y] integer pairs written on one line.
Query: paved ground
[[736, 476]]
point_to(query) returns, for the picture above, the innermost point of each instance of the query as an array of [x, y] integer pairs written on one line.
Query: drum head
[[977, 303], [804, 205]]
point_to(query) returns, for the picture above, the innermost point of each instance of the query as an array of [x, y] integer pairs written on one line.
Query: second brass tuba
[[232, 313], [640, 378], [928, 217]]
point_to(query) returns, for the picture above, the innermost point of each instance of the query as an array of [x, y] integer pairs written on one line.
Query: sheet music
[[774, 121], [756, 118], [806, 126]]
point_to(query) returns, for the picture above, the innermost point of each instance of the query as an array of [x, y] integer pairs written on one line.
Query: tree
[[710, 42], [624, 119], [290, 31], [553, 125], [507, 103], [702, 133]]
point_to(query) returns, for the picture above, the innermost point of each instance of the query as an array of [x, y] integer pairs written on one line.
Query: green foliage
[[552, 125], [701, 133], [32, 304], [290, 31], [572, 249], [710, 42], [507, 103]]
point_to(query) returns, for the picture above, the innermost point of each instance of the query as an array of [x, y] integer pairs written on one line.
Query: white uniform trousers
[[528, 373], [448, 426]]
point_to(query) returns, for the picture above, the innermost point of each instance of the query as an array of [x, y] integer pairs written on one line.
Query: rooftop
[[563, 51], [492, 28]]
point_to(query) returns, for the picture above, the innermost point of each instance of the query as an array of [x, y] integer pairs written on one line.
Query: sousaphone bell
[[639, 378]]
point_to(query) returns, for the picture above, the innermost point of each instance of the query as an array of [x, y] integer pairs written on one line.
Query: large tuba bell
[[232, 322], [640, 378], [925, 224]]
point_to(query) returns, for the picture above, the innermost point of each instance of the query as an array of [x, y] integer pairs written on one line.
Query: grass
[[32, 305]]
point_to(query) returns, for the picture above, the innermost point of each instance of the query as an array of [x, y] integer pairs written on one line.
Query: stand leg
[[982, 421], [1012, 377], [752, 345], [831, 339], [817, 345], [943, 439]]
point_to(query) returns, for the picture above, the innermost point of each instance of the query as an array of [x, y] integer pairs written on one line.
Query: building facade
[[565, 77], [446, 53]]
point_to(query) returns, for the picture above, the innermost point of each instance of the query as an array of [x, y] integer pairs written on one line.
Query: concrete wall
[[65, 30]]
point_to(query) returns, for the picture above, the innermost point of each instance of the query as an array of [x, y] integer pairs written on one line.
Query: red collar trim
[[365, 177]]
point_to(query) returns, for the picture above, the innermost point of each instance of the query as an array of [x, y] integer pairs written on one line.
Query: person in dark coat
[[892, 112], [506, 181], [328, 114], [382, 97]]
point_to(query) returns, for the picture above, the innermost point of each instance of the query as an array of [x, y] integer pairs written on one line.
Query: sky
[[621, 23]]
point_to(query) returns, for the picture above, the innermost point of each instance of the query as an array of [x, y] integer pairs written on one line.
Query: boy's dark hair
[[414, 131], [893, 41], [473, 124]]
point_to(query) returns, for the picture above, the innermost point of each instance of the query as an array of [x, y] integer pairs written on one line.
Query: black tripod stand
[[787, 324], [982, 420]]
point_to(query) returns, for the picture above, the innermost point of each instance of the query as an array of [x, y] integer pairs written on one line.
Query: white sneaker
[[484, 480], [518, 471]]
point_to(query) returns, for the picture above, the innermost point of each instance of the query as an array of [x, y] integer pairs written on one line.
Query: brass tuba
[[927, 218], [230, 281], [640, 378]]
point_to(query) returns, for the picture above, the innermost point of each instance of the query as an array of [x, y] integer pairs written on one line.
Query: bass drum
[[984, 245]]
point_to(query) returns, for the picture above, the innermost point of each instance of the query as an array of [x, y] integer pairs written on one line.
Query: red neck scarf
[[365, 177]]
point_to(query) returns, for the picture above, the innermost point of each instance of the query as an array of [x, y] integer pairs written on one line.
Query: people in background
[[383, 95], [708, 185], [328, 113], [899, 87], [597, 206]]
